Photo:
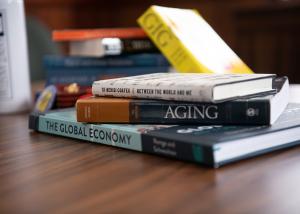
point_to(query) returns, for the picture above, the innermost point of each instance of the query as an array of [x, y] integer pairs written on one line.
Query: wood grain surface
[[41, 173]]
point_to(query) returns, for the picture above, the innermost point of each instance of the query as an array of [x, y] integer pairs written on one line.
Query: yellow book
[[189, 42]]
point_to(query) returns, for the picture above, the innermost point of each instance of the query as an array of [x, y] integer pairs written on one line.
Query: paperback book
[[189, 42], [186, 87], [213, 145], [261, 110]]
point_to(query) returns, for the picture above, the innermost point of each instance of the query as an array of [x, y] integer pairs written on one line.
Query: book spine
[[228, 113], [168, 43], [75, 35], [94, 62], [86, 76], [120, 88], [138, 141], [161, 112], [138, 46]]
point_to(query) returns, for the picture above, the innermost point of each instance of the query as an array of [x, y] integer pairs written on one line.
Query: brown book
[[103, 109]]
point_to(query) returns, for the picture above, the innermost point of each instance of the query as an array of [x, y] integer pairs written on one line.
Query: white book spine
[[178, 92]]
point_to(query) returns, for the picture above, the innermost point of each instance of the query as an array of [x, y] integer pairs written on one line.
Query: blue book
[[133, 60], [213, 145], [85, 76]]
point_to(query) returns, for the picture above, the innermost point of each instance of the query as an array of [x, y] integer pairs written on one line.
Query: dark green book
[[213, 145]]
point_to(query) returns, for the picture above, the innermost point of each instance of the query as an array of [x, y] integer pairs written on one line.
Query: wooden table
[[41, 173]]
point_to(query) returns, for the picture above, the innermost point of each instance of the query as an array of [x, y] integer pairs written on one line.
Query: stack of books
[[96, 54], [212, 119], [165, 37], [209, 118]]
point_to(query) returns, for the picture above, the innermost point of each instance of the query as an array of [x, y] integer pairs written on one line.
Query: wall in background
[[264, 33]]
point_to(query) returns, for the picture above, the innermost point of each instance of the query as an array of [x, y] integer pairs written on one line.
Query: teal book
[[212, 145]]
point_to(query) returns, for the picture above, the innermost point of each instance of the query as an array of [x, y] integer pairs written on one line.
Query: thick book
[[189, 42], [262, 110], [85, 76], [153, 59], [111, 47], [84, 34], [186, 87], [213, 145]]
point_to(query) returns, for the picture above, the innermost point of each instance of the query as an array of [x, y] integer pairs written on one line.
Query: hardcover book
[[111, 46], [262, 110], [185, 87], [84, 34], [213, 145], [189, 42]]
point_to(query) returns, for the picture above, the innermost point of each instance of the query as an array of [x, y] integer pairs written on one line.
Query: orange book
[[84, 34], [103, 109]]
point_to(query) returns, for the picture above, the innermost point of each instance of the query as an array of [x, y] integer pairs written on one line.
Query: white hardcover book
[[96, 47], [185, 86]]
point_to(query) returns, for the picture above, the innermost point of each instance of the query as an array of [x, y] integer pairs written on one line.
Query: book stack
[[96, 54], [164, 38], [209, 118]]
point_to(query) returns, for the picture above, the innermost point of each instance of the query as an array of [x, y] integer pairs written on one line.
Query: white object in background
[[15, 93], [96, 47], [294, 93]]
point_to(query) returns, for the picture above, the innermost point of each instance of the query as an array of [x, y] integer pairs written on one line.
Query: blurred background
[[264, 33]]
